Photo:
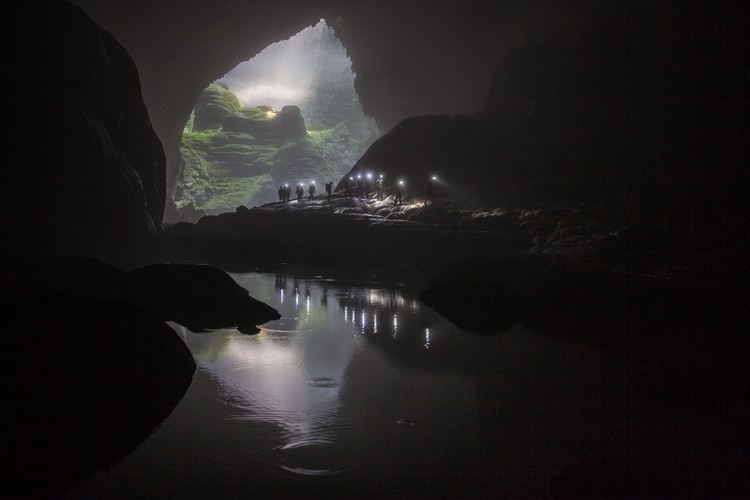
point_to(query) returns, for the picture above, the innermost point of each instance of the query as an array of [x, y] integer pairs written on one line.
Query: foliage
[[231, 192]]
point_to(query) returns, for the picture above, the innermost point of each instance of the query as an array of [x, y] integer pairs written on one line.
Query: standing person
[[397, 198], [329, 188], [281, 193], [348, 187], [311, 191], [300, 192], [429, 191], [287, 192], [379, 187]]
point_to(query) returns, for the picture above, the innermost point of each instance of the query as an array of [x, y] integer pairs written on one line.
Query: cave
[[533, 259], [244, 137]]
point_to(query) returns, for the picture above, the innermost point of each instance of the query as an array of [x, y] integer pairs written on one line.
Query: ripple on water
[[322, 382], [315, 457]]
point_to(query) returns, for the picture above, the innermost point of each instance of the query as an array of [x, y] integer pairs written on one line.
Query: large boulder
[[291, 123], [198, 297], [88, 375], [214, 104], [85, 171]]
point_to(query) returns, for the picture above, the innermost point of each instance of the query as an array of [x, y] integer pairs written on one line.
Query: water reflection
[[293, 372], [369, 392]]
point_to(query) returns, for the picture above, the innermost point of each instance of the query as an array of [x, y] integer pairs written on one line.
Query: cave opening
[[289, 115]]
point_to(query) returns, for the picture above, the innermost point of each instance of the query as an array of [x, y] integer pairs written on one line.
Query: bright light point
[[359, 176], [369, 176], [270, 114], [351, 178], [381, 176], [400, 183], [434, 178]]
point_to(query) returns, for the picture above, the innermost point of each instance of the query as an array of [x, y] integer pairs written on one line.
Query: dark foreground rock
[[88, 178], [198, 297], [476, 306], [91, 366], [86, 381]]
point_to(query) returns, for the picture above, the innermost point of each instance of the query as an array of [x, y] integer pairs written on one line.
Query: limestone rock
[[88, 170], [197, 297], [215, 103]]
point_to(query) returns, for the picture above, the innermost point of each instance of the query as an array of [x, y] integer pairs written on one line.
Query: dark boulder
[[86, 381], [87, 170], [198, 297], [476, 306]]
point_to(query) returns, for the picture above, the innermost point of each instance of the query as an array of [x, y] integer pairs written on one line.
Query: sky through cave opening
[[290, 115]]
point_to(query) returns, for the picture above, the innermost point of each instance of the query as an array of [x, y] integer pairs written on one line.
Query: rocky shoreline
[[350, 230]]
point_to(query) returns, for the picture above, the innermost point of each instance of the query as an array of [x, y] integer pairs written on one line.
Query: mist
[[294, 71]]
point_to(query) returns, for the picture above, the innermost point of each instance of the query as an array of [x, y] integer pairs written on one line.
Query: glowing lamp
[[369, 176], [434, 177]]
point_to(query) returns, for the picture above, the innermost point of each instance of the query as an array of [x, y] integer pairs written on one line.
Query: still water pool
[[360, 390]]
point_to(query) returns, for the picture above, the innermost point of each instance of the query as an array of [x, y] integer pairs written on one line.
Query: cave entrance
[[289, 115]]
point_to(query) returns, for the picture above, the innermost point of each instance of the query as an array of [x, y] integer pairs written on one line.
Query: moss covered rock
[[214, 104]]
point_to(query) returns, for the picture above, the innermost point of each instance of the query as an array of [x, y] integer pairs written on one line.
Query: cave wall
[[85, 172]]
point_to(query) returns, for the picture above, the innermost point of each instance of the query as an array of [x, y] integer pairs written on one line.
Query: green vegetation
[[226, 169], [214, 104], [244, 158]]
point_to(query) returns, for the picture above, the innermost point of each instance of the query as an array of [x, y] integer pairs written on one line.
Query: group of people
[[285, 191], [361, 189], [358, 188]]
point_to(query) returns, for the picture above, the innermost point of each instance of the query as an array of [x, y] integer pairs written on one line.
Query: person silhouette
[[300, 192], [311, 191], [429, 191], [329, 188]]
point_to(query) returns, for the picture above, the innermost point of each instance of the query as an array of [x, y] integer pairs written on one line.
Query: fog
[[293, 71]]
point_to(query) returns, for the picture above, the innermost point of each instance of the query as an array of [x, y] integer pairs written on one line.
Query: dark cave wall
[[85, 172]]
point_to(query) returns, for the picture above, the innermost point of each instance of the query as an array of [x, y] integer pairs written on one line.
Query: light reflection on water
[[364, 390]]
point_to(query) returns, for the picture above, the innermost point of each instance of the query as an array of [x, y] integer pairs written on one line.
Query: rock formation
[[85, 171]]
